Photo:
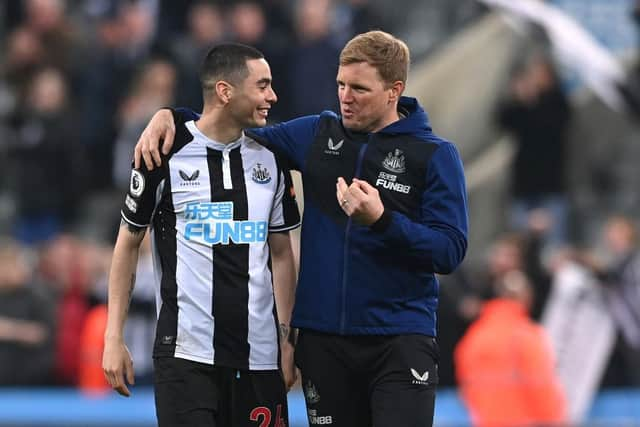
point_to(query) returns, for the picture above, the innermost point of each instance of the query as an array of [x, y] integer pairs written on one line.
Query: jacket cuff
[[383, 222]]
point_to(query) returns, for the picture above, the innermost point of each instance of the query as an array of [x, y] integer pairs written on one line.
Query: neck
[[391, 117], [216, 124]]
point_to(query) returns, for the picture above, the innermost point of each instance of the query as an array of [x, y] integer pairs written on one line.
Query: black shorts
[[199, 395], [379, 381]]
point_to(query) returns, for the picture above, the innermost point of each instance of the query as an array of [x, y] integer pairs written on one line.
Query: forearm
[[437, 248], [284, 280], [122, 278]]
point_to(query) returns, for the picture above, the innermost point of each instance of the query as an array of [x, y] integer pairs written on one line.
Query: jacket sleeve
[[291, 139], [438, 241], [183, 115]]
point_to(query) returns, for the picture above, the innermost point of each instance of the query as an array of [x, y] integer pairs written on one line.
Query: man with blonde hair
[[385, 210]]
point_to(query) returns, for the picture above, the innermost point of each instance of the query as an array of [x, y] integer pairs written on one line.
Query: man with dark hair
[[219, 209], [385, 210]]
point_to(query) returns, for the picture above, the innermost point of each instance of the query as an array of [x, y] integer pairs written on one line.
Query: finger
[[341, 191], [122, 390], [109, 377], [339, 194], [148, 160], [154, 148], [130, 373], [356, 192], [168, 139], [116, 380], [342, 185], [118, 384], [364, 185], [137, 156]]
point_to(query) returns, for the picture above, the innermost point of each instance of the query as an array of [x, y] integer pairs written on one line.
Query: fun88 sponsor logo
[[212, 223]]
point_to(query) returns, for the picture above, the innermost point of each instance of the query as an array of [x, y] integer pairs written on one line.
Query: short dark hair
[[228, 62]]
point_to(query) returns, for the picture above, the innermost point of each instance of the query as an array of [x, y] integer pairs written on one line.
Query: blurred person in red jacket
[[504, 363]]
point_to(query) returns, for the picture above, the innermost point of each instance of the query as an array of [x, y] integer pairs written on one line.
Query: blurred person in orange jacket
[[504, 363]]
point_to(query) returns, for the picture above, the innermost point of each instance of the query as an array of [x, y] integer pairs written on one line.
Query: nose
[[346, 94], [272, 98]]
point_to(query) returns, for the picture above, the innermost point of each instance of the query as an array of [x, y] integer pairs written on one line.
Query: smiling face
[[367, 102], [252, 98]]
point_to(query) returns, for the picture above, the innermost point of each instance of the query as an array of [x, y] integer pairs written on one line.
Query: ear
[[224, 91], [395, 91]]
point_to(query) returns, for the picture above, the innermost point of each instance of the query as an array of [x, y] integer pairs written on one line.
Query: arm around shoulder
[[160, 130]]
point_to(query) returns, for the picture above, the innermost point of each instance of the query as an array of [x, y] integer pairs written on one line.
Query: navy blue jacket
[[378, 280]]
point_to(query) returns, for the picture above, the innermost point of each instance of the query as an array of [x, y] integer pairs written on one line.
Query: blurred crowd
[[79, 79]]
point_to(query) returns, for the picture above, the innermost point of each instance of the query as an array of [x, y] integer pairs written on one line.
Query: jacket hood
[[415, 119]]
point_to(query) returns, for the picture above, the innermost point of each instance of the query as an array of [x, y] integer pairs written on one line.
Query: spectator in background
[[106, 75], [205, 28], [536, 112], [314, 59], [517, 252], [622, 291], [631, 91], [364, 16], [48, 165], [248, 25], [23, 56], [635, 12], [355, 17], [173, 17], [279, 19], [504, 363], [91, 378], [153, 88], [59, 37], [125, 34], [26, 322], [69, 267]]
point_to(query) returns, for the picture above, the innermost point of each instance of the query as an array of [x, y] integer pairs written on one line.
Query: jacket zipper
[[345, 264]]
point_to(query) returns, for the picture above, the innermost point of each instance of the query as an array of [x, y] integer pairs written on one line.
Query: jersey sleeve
[[285, 215], [291, 140], [142, 196]]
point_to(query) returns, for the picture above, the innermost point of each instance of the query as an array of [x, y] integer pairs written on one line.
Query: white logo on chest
[[394, 162], [260, 174], [334, 149], [389, 181]]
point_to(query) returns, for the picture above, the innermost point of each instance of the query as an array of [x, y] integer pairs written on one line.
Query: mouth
[[347, 112], [263, 112]]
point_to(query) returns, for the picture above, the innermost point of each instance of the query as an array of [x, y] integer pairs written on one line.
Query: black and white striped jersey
[[210, 207]]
